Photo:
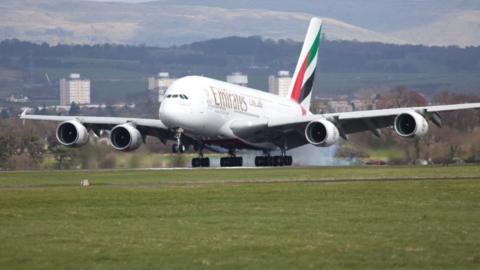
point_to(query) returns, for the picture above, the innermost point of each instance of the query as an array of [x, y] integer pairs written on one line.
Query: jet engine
[[125, 137], [72, 133], [322, 133], [410, 124]]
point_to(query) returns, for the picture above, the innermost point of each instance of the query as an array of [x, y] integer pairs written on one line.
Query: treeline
[[456, 141], [34, 147], [245, 53]]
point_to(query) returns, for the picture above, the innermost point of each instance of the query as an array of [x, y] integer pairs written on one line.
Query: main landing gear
[[200, 162], [269, 161], [232, 160], [273, 161]]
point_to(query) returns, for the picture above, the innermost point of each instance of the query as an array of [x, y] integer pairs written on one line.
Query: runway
[[225, 182]]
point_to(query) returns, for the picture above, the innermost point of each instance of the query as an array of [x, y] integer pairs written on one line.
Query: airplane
[[205, 113]]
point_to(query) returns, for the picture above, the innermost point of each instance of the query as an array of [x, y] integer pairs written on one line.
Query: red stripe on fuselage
[[297, 88]]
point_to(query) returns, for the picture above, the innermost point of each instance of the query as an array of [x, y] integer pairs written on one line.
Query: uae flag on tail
[[301, 87]]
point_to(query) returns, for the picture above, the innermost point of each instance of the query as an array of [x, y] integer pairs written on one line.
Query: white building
[[238, 78], [160, 83], [280, 84], [74, 89]]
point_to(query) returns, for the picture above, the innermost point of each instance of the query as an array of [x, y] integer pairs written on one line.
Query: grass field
[[293, 218]]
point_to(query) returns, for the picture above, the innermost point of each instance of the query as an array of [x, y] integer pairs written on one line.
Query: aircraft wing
[[356, 121], [152, 127]]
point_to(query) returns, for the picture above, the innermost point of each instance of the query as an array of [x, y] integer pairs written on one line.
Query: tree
[[35, 148], [463, 120], [7, 146], [4, 114], [398, 97], [64, 156], [4, 151], [401, 96]]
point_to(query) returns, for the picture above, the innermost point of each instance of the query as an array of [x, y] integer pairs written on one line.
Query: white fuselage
[[205, 109]]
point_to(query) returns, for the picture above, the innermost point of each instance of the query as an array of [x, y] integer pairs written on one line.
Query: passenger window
[[174, 96]]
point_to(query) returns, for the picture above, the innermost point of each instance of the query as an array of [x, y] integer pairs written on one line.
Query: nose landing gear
[[178, 147]]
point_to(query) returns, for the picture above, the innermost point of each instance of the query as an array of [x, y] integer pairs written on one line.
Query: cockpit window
[[182, 96]]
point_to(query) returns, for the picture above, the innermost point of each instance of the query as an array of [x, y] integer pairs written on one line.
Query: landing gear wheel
[[231, 161], [288, 160], [267, 161], [238, 161], [196, 162], [258, 161], [224, 162], [200, 162], [182, 148], [178, 148], [277, 161], [175, 148], [205, 162]]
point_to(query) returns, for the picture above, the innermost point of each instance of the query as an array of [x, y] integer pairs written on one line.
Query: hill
[[168, 22]]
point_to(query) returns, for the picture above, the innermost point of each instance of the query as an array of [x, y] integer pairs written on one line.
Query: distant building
[[74, 89], [336, 106], [238, 78], [160, 83], [280, 84], [362, 105]]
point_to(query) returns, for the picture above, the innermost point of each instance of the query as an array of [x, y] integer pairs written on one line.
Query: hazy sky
[[130, 1]]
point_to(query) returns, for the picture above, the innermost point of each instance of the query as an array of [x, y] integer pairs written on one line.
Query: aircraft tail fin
[[302, 81]]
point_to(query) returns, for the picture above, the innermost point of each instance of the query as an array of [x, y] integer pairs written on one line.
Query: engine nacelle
[[125, 137], [410, 124], [322, 133], [72, 133]]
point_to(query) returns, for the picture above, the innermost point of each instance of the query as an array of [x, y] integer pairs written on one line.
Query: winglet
[[22, 115]]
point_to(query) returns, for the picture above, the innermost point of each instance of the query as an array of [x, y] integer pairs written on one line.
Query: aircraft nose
[[168, 114], [173, 114]]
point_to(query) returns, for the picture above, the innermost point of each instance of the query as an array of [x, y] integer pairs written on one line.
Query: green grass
[[238, 218], [386, 154]]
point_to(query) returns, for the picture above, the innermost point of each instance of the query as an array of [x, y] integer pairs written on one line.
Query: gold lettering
[[226, 100], [215, 95], [244, 106]]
